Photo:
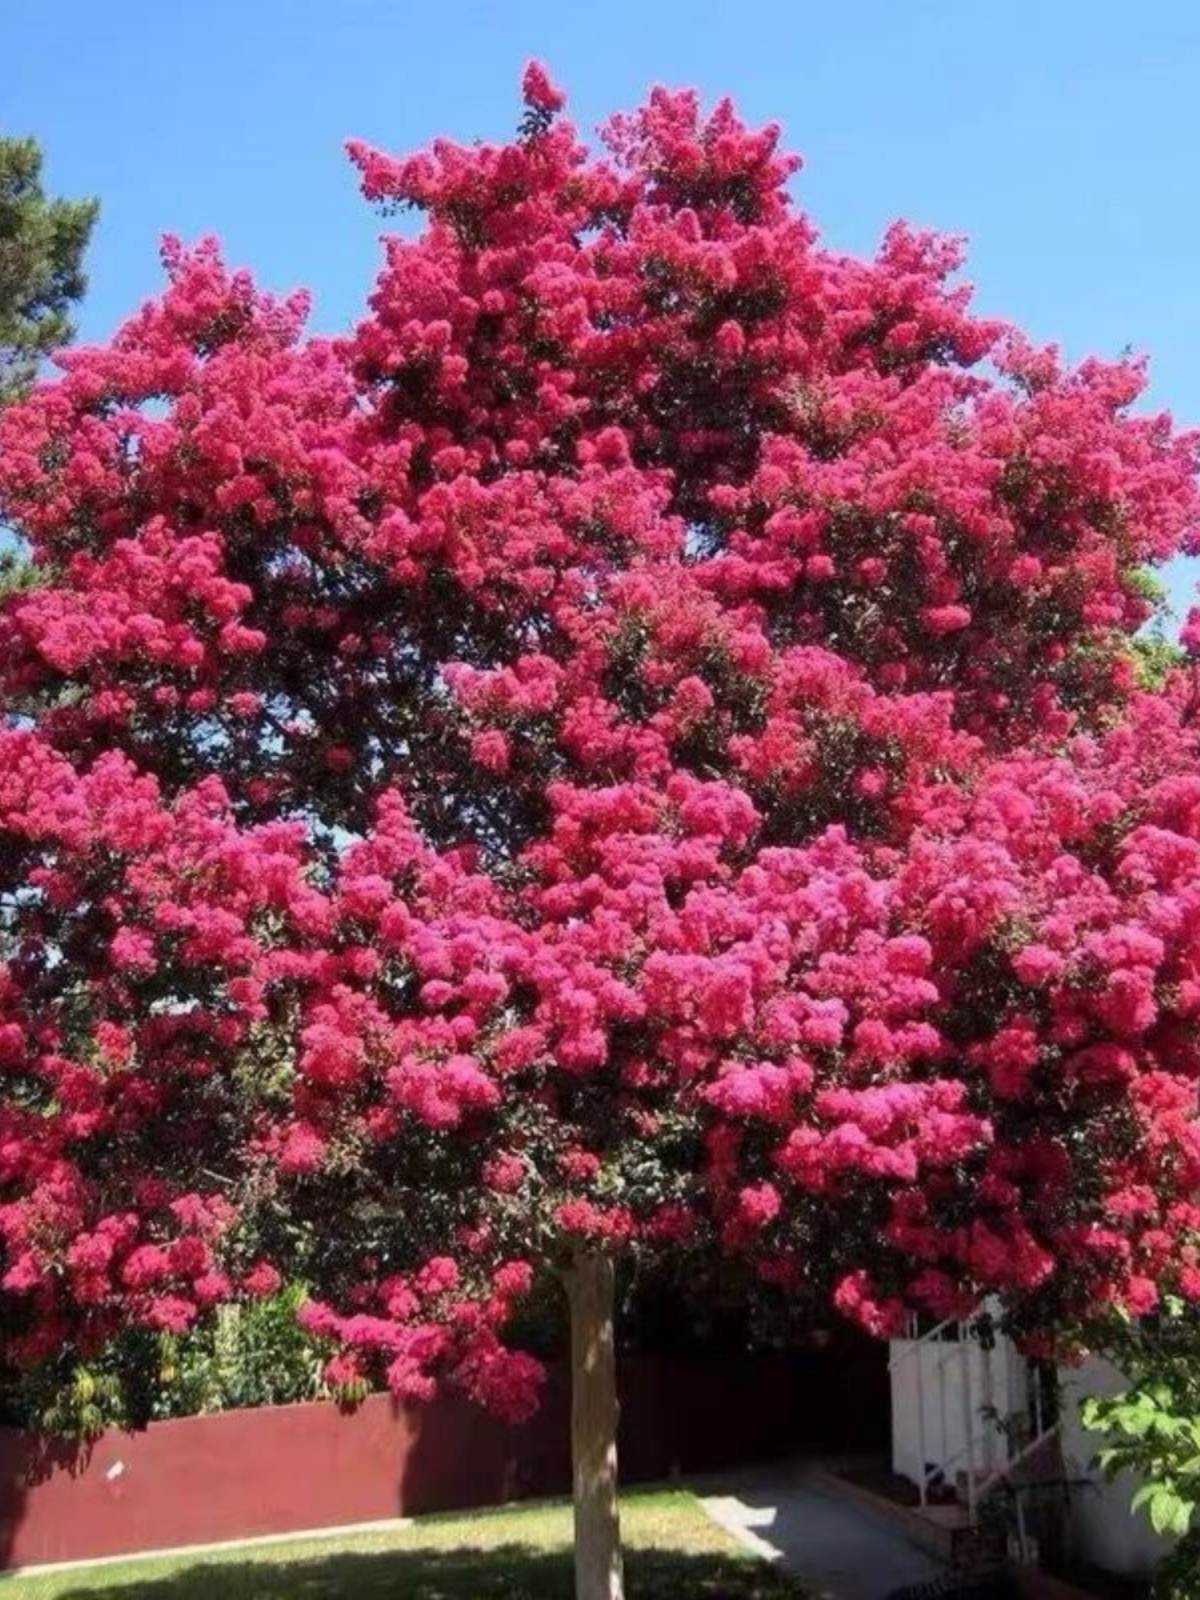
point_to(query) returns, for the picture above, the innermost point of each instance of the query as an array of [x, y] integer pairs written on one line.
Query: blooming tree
[[637, 746]]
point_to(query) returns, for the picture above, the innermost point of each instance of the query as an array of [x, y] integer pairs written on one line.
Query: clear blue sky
[[1062, 136]]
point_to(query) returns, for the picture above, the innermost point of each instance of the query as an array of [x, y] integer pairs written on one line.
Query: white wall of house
[[1104, 1530], [950, 1383]]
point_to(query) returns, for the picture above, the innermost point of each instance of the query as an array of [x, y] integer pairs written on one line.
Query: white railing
[[959, 1357], [914, 1350]]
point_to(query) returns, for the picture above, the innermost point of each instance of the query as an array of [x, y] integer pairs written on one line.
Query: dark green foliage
[[42, 241]]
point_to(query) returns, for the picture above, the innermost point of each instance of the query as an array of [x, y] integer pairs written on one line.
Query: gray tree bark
[[599, 1573]]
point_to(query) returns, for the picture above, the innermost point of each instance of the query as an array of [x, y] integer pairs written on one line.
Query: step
[[1034, 1584], [944, 1532]]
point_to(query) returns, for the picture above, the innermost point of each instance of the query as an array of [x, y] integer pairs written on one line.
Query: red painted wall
[[235, 1475], [241, 1473]]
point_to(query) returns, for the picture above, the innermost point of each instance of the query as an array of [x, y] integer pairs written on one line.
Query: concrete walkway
[[841, 1550]]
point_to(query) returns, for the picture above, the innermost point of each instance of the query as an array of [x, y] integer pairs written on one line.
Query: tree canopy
[[636, 745]]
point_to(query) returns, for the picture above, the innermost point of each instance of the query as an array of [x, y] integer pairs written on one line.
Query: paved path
[[840, 1549]]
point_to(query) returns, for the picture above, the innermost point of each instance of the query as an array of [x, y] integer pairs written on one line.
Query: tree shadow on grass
[[509, 1572]]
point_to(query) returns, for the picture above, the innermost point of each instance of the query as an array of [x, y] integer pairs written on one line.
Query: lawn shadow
[[507, 1572]]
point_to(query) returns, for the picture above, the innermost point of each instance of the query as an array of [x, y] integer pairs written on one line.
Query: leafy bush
[[251, 1354], [1152, 1429]]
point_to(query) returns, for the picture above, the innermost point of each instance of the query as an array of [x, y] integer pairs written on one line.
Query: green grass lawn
[[674, 1552]]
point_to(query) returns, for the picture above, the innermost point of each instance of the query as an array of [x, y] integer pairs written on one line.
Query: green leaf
[[1168, 1513], [1183, 1516]]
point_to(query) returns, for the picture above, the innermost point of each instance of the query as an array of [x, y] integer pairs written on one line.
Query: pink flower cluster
[[636, 744]]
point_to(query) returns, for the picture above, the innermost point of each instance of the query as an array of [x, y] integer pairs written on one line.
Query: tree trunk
[[598, 1566]]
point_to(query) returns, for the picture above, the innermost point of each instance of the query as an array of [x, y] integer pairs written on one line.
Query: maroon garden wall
[[244, 1473]]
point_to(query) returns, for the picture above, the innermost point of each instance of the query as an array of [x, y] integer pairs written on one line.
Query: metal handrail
[[914, 1342], [1022, 1455], [993, 1481], [967, 1336]]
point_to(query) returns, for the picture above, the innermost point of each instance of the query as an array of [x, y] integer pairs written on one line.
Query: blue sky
[[1062, 137]]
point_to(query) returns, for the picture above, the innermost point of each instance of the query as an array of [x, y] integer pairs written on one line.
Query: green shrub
[[1152, 1429], [251, 1354]]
